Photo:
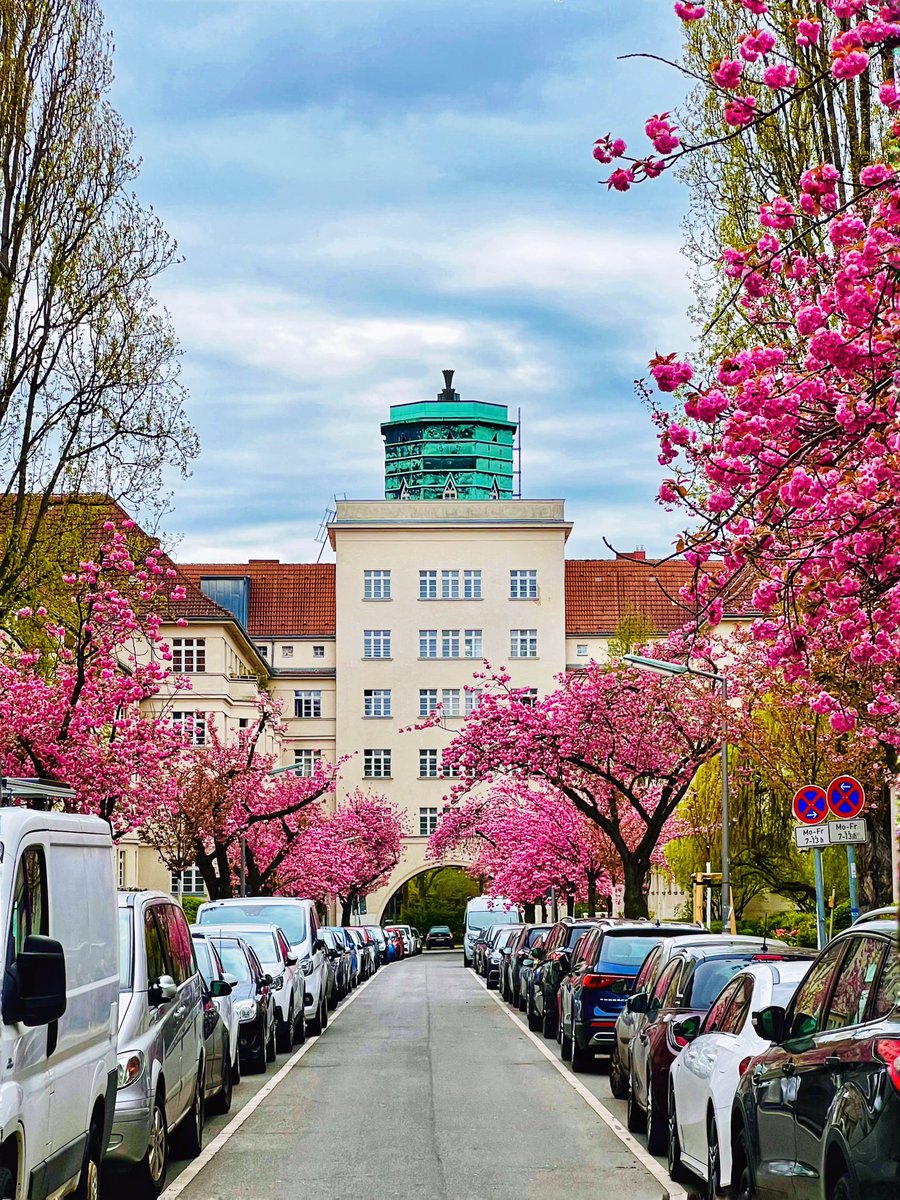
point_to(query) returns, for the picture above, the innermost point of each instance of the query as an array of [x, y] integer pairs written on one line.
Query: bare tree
[[90, 402]]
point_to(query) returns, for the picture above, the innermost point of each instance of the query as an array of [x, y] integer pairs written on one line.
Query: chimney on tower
[[448, 393]]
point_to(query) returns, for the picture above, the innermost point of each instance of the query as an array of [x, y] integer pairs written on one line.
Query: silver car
[[160, 1041]]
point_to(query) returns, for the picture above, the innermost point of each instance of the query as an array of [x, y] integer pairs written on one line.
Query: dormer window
[[450, 492]]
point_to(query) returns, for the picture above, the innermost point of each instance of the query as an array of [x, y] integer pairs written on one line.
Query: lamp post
[[667, 668]]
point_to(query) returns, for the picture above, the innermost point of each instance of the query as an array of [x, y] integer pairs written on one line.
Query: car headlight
[[307, 966], [129, 1068], [278, 983], [245, 1009]]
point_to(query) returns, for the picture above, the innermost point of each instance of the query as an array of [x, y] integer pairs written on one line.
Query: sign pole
[[820, 898], [851, 875]]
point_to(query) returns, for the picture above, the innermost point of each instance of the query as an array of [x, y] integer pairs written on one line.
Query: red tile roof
[[286, 599], [601, 591]]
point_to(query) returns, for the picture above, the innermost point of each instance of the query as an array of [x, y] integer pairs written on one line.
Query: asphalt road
[[422, 1089]]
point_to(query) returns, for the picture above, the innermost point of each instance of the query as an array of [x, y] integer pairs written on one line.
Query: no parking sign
[[846, 797], [810, 805]]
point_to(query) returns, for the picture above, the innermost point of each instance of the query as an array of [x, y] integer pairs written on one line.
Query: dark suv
[[554, 961], [817, 1116]]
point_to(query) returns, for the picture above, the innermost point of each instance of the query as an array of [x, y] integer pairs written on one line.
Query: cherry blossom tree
[[620, 745]]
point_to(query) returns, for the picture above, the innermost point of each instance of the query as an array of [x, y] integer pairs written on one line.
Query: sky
[[367, 191]]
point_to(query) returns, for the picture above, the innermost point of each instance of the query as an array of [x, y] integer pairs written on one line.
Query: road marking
[[189, 1174], [674, 1191]]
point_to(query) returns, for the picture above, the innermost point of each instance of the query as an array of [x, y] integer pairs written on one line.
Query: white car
[[705, 1075]]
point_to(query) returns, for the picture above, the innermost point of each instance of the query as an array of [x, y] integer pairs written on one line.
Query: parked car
[[527, 966], [503, 944], [484, 947], [704, 1077], [439, 937], [253, 998], [394, 943], [406, 937], [817, 1115], [271, 947], [629, 1021], [342, 957], [481, 913], [379, 937], [365, 947], [554, 960], [412, 943], [300, 924], [59, 998], [520, 951], [161, 1094], [603, 967], [219, 984], [688, 985], [334, 970]]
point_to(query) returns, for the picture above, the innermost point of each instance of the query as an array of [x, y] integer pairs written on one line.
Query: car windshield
[[534, 935], [574, 934], [709, 978], [484, 918], [289, 917], [439, 929], [234, 961], [264, 944], [204, 960], [125, 961], [625, 951]]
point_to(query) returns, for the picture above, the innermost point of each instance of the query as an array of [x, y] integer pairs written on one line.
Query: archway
[[434, 895]]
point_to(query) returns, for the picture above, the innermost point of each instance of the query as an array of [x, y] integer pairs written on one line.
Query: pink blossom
[[780, 76], [875, 174], [808, 31], [740, 110], [688, 11], [670, 374], [621, 179]]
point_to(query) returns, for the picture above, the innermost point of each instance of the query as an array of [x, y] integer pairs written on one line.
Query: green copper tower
[[448, 449]]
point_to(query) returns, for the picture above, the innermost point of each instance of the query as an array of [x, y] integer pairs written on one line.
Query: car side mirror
[[230, 979], [34, 990], [685, 1031], [267, 980], [291, 960], [318, 944], [537, 953], [164, 990], [769, 1023], [219, 988], [638, 1003]]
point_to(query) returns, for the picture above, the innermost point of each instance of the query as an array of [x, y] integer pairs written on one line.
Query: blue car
[[604, 964]]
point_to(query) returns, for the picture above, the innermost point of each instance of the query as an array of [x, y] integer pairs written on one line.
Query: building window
[[473, 643], [243, 722], [377, 643], [428, 701], [428, 818], [377, 585], [120, 858], [307, 704], [427, 643], [192, 725], [262, 651], [318, 651], [428, 764], [449, 771], [527, 696], [581, 650], [377, 764], [188, 656], [472, 697], [428, 585], [450, 585], [450, 702], [450, 643], [287, 651], [377, 702], [523, 643], [523, 585], [472, 585], [306, 762], [188, 883]]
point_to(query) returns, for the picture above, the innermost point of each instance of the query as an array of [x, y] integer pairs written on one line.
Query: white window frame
[[287, 651], [450, 702], [307, 760], [187, 652], [428, 819], [428, 643], [473, 643], [377, 764], [528, 696], [376, 584], [523, 643], [428, 701], [307, 704], [472, 585], [581, 649], [376, 643], [318, 651], [450, 583], [472, 698], [196, 735], [428, 585], [188, 882], [449, 643], [376, 702], [429, 764], [523, 584]]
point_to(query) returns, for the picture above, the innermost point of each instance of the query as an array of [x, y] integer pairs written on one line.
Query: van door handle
[[789, 1067], [833, 1063]]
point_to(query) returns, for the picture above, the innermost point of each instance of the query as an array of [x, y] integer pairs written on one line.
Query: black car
[[339, 955], [253, 999], [512, 964], [817, 1116], [496, 959], [605, 963], [554, 962], [439, 937]]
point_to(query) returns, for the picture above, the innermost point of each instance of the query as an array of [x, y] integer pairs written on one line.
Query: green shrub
[[190, 904]]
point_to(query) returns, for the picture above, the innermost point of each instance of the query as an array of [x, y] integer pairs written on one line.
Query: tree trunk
[[530, 913], [592, 894], [346, 909], [634, 873]]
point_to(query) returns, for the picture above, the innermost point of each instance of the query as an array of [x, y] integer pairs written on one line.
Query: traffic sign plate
[[848, 833], [811, 805], [846, 796], [809, 836]]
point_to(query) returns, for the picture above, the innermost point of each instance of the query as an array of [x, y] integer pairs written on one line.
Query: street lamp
[[668, 668]]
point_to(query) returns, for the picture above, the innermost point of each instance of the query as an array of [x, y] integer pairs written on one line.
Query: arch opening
[[433, 896]]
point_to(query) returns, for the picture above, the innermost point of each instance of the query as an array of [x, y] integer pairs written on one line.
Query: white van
[[60, 999], [481, 912]]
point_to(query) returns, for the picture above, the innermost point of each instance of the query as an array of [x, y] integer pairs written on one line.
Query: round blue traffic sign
[[846, 796], [810, 805]]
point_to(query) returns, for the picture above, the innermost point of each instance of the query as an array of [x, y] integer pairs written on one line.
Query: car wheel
[[190, 1131], [618, 1083], [742, 1174], [285, 1035], [236, 1069], [673, 1156], [581, 1058], [271, 1047], [7, 1184], [634, 1117], [257, 1061], [315, 1025], [548, 1025], [713, 1160], [565, 1045], [153, 1167], [324, 1016], [845, 1189], [89, 1183], [656, 1124], [222, 1102], [534, 1021]]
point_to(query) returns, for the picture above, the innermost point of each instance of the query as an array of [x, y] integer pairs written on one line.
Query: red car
[[396, 938]]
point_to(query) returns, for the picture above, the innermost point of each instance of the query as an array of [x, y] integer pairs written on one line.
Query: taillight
[[770, 957], [679, 1040], [600, 981], [888, 1050], [744, 1064]]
